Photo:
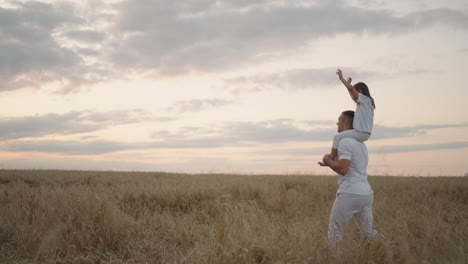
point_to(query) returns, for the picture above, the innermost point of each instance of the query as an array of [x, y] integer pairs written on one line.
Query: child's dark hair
[[362, 88]]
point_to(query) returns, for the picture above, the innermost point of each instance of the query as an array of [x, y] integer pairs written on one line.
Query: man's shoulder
[[350, 147], [349, 141]]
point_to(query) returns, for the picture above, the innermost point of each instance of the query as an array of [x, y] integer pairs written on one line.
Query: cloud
[[373, 150], [419, 147], [88, 121], [197, 105], [183, 36], [234, 134], [282, 130], [42, 43], [69, 147], [68, 123], [297, 152], [294, 79], [49, 43], [29, 54], [95, 147], [440, 16], [77, 163], [86, 35], [384, 132], [240, 134], [214, 136]]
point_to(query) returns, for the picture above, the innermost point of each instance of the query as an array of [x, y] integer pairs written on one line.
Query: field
[[133, 217]]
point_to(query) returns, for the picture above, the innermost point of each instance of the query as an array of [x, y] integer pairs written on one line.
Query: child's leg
[[357, 135], [360, 136]]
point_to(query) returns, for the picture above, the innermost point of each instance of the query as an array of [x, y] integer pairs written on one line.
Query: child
[[364, 116]]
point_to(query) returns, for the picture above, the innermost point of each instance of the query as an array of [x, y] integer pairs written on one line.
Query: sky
[[240, 86]]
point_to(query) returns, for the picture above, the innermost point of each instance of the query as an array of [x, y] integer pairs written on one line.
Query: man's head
[[345, 121]]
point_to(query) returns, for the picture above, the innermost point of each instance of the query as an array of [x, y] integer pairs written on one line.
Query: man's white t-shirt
[[364, 118], [355, 181]]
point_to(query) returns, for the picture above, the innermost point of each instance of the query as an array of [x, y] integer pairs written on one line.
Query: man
[[354, 196]]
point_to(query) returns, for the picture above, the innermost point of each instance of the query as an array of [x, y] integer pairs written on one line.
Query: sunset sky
[[240, 86]]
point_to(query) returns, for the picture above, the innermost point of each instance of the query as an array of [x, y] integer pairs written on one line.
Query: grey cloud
[[443, 126], [236, 134], [282, 130], [294, 79], [440, 16], [77, 163], [88, 52], [68, 147], [220, 135], [301, 152], [28, 52], [86, 35], [210, 41], [177, 37], [383, 132], [420, 147], [32, 21], [87, 121], [272, 132], [34, 48], [230, 134], [94, 147], [67, 123]]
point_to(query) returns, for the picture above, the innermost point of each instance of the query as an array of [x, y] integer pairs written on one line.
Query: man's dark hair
[[349, 115]]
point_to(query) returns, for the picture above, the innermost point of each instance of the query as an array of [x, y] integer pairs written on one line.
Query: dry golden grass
[[123, 217]]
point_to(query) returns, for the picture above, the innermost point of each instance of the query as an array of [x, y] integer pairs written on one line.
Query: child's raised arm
[[352, 91]]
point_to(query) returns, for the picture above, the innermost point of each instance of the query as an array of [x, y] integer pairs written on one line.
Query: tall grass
[[123, 217]]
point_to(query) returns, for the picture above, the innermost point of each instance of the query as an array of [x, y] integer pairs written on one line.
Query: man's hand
[[321, 163], [326, 159], [338, 166], [324, 162]]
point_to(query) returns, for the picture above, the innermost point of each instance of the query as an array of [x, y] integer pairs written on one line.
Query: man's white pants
[[346, 206]]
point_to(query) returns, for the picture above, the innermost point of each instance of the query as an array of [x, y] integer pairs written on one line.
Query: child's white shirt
[[364, 116]]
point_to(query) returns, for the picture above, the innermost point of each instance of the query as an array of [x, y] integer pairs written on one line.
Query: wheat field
[[134, 217]]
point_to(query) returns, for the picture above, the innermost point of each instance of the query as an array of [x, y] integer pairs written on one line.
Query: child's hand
[[340, 74], [350, 80]]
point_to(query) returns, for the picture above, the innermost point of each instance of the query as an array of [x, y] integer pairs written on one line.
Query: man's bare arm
[[339, 166]]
